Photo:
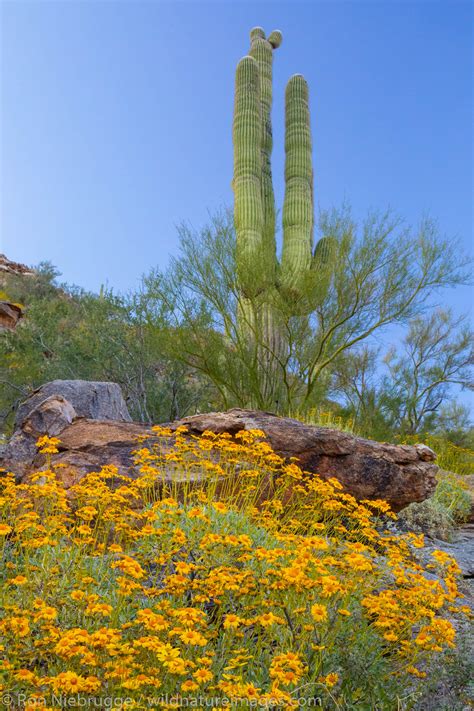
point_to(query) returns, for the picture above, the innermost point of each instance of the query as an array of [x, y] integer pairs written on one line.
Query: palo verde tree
[[435, 362]]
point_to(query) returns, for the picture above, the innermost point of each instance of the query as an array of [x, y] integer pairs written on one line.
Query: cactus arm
[[248, 211], [322, 268], [298, 203], [324, 253], [262, 51]]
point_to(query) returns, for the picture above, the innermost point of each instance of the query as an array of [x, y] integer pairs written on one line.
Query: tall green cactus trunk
[[298, 204], [265, 285]]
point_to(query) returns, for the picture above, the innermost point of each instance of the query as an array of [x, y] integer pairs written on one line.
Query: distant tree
[[454, 423], [413, 389], [437, 353], [356, 383]]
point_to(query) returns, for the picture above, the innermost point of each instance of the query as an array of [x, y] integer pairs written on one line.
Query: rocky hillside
[[7, 266]]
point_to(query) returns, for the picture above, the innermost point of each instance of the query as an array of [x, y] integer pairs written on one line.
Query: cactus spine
[[267, 286]]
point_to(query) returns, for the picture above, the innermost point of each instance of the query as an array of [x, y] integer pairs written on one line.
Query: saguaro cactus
[[253, 188], [302, 275]]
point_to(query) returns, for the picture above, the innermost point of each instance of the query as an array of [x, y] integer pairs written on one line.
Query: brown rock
[[88, 445], [54, 407], [10, 314], [400, 474], [18, 454], [9, 267], [94, 434], [49, 417]]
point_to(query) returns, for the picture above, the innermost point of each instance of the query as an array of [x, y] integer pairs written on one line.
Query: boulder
[[51, 409], [87, 445], [10, 314], [18, 454], [50, 417], [400, 474], [94, 400]]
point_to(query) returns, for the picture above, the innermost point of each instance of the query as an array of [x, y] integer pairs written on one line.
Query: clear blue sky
[[116, 119]]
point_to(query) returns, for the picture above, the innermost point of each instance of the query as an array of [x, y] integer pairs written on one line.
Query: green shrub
[[452, 494], [429, 517]]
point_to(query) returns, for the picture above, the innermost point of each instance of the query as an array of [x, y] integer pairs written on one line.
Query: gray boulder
[[94, 400]]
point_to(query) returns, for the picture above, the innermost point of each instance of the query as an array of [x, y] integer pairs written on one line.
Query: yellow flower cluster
[[220, 570]]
